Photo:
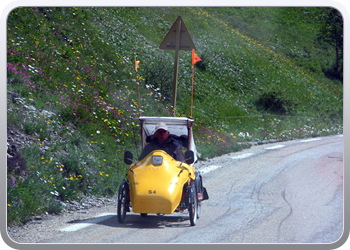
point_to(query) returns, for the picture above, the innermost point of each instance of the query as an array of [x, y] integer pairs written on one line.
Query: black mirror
[[189, 156], [128, 157]]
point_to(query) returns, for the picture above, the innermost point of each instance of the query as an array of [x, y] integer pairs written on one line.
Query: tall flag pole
[[195, 59], [138, 91]]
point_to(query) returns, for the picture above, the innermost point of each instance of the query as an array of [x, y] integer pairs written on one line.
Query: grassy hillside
[[262, 76]]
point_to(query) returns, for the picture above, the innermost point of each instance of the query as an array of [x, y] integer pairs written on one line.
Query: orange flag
[[195, 58], [136, 64]]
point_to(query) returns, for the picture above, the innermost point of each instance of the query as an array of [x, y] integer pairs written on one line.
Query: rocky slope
[[17, 138]]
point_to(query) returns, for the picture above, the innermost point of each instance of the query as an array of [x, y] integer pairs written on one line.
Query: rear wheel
[[199, 189], [193, 205], [199, 208], [123, 201]]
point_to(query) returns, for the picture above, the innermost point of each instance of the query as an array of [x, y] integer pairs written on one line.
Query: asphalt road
[[288, 192]]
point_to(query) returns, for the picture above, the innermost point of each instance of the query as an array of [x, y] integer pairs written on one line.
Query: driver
[[163, 141]]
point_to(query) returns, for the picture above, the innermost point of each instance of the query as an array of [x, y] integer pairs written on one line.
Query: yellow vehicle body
[[156, 186]]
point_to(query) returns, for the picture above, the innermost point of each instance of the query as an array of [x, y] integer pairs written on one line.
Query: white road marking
[[314, 139], [275, 147], [213, 167], [89, 222], [241, 156], [209, 169], [75, 227]]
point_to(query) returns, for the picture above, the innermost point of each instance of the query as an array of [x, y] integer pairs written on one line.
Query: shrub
[[274, 103]]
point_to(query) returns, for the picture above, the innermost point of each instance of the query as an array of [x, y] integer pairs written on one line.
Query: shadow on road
[[136, 221]]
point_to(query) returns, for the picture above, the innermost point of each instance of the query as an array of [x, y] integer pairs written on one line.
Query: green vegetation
[[262, 76]]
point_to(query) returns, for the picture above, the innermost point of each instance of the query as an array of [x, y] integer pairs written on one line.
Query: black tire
[[193, 205], [123, 201], [199, 189], [143, 215]]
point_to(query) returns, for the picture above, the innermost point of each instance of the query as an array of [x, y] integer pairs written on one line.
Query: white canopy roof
[[176, 125]]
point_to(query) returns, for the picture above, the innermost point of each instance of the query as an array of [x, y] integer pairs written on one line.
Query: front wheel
[[193, 205], [123, 201]]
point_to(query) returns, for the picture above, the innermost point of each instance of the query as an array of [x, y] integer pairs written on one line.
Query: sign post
[[177, 39]]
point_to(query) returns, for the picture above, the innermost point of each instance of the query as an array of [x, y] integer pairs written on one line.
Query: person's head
[[161, 132]]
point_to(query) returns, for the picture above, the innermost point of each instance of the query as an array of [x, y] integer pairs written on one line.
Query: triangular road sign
[[185, 42]]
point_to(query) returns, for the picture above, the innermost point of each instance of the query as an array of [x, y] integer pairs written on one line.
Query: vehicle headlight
[[157, 160]]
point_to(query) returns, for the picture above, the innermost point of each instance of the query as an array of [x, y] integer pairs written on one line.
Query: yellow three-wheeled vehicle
[[159, 184]]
